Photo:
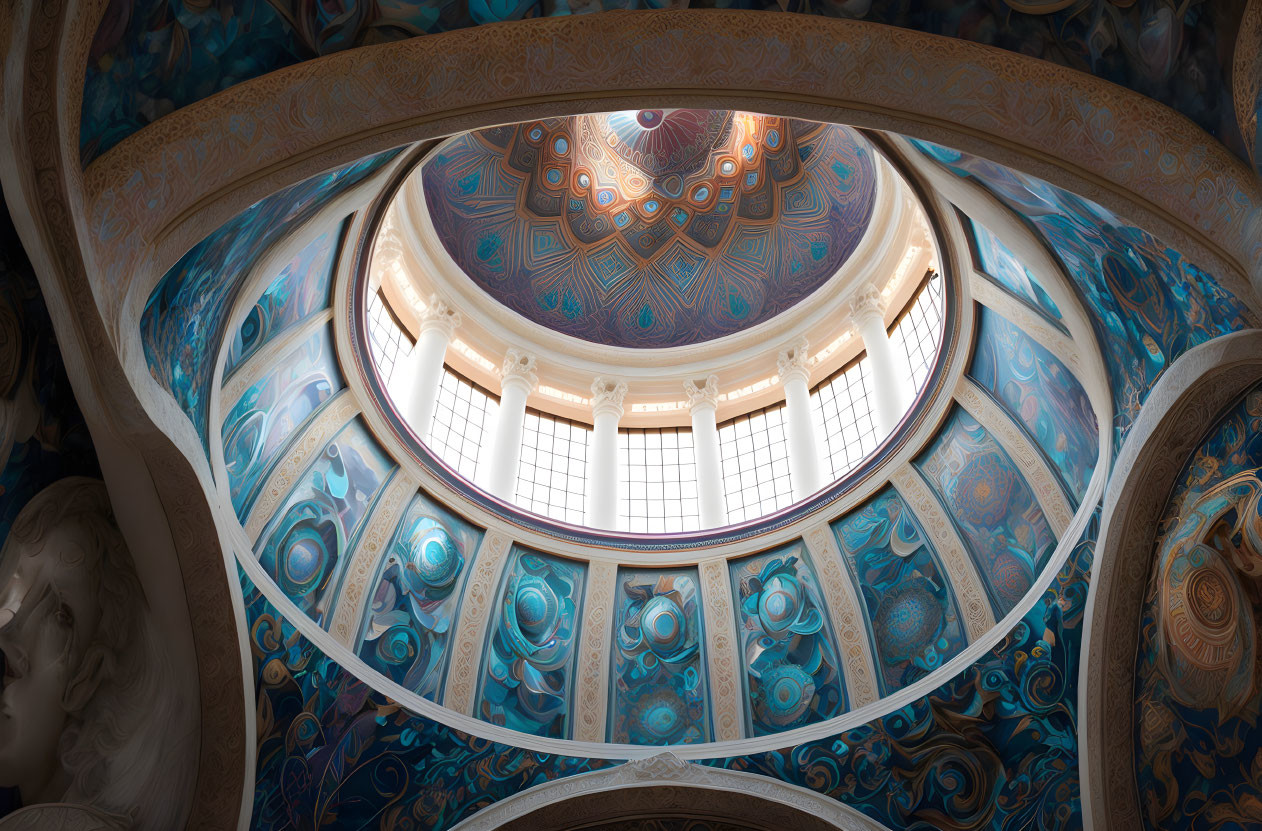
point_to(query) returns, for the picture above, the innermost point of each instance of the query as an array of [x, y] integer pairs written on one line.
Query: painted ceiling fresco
[[1147, 303], [995, 748], [150, 57], [1198, 694], [652, 228]]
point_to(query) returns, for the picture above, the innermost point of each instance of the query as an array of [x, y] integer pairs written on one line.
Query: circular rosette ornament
[[784, 695], [664, 627], [661, 717], [310, 540], [778, 601], [428, 558], [908, 620], [533, 617]]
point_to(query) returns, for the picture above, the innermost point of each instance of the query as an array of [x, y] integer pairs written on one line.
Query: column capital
[[706, 395], [794, 361], [868, 303], [519, 370], [439, 314], [607, 395]]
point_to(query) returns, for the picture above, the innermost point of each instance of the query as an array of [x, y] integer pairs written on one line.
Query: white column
[[803, 456], [417, 381], [702, 402], [891, 390], [602, 455], [517, 381]]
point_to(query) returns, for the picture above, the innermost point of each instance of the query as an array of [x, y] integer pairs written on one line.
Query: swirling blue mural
[[257, 428], [1198, 692], [1147, 304], [997, 261], [994, 748], [529, 655], [150, 57], [912, 616], [305, 547], [788, 649], [184, 320], [416, 597], [334, 754], [1042, 395], [659, 693], [991, 505], [301, 289], [652, 228]]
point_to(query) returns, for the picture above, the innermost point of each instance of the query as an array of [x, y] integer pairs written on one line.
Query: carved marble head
[[81, 674]]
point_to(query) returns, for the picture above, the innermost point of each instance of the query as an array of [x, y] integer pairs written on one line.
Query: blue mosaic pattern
[[150, 57], [911, 611], [995, 748], [992, 506], [1147, 304], [1042, 395], [300, 290], [184, 321], [788, 649], [415, 600], [686, 227], [257, 429], [528, 680], [659, 693], [998, 262], [334, 754], [307, 543]]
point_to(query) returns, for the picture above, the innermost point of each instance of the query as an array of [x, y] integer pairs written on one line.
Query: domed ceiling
[[652, 228]]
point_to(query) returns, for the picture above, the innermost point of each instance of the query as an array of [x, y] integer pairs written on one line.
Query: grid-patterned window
[[755, 457], [389, 341], [463, 415], [552, 477], [658, 493], [842, 406], [915, 335]]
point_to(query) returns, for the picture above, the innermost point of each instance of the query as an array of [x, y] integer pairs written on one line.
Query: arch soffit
[[162, 189], [1186, 400]]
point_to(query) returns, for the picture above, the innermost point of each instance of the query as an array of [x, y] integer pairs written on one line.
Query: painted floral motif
[[300, 290], [1146, 303], [1042, 395], [306, 546], [996, 261], [1198, 693], [792, 675], [529, 656], [257, 428], [659, 693], [913, 621], [184, 321], [994, 748], [991, 504], [150, 57], [333, 753], [416, 598]]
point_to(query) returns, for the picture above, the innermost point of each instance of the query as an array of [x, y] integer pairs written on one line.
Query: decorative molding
[[967, 584], [1034, 467], [258, 365], [1182, 406], [367, 556], [866, 303], [1028, 320], [591, 671], [439, 314], [794, 362], [665, 769], [704, 396], [847, 616], [607, 395], [480, 595], [1246, 77], [722, 654], [519, 368], [335, 415]]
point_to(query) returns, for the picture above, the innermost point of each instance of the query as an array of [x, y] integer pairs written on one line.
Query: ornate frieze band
[[722, 655], [475, 616], [591, 694], [847, 617]]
